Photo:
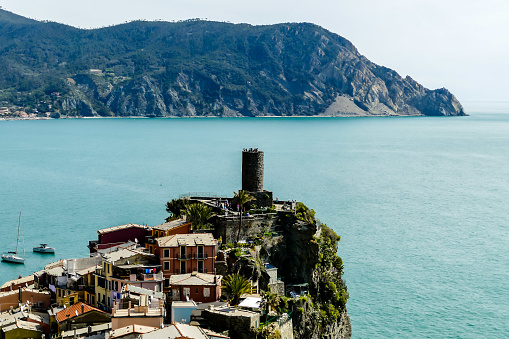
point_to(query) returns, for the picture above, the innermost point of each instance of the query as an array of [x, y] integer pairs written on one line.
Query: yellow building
[[123, 267]]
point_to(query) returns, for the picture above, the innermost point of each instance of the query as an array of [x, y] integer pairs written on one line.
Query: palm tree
[[236, 285], [199, 215], [242, 198], [176, 208], [270, 301]]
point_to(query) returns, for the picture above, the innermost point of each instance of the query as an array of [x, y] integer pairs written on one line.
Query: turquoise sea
[[421, 203]]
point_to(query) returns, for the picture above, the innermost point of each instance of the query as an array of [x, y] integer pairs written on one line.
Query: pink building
[[186, 253], [200, 287]]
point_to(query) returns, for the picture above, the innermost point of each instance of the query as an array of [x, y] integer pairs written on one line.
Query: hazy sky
[[458, 44]]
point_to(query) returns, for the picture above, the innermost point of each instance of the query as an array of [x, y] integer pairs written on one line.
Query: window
[[182, 267], [167, 282], [200, 252], [196, 291], [200, 266], [206, 292], [166, 253], [166, 265], [183, 252], [187, 291]]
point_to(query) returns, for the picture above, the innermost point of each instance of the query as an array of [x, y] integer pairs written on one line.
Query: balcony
[[150, 276], [183, 257], [200, 256]]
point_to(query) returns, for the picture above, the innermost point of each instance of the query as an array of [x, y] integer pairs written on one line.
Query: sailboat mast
[[19, 225], [22, 236]]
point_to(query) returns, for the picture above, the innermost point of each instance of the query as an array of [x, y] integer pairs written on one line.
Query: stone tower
[[252, 170]]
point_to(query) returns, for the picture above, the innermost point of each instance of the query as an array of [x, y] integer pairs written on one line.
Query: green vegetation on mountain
[[199, 68]]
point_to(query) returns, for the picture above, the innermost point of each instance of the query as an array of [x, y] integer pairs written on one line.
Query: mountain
[[200, 68]]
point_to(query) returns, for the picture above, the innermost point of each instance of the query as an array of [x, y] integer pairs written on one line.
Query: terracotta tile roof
[[76, 308]]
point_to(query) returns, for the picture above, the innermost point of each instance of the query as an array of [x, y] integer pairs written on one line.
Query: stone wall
[[277, 287], [286, 328], [228, 227], [238, 323]]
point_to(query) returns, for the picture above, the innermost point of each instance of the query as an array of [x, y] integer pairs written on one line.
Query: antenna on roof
[[76, 311]]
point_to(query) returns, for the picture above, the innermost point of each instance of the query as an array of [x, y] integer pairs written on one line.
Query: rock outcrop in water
[[201, 68]]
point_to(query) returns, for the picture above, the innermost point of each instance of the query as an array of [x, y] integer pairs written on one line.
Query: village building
[[235, 320], [137, 296], [130, 331], [125, 267], [42, 319], [186, 253], [200, 287], [17, 283], [176, 331], [181, 311], [22, 329], [116, 235], [144, 314], [80, 315], [35, 298], [179, 226], [101, 331]]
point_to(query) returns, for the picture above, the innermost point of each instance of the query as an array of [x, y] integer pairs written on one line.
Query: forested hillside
[[199, 68]]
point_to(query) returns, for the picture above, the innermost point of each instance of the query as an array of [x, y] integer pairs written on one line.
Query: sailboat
[[13, 256]]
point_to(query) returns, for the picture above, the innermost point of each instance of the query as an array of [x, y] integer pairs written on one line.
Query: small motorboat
[[44, 248]]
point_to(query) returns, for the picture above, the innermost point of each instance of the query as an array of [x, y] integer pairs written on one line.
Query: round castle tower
[[252, 170]]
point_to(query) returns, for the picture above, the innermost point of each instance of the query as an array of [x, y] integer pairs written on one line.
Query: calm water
[[420, 203]]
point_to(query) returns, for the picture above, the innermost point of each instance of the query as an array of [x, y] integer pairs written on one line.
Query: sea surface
[[421, 203]]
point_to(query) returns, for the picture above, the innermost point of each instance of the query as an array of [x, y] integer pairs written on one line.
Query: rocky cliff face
[[305, 252], [199, 68]]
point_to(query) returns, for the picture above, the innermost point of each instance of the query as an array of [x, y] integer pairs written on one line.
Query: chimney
[[82, 308]]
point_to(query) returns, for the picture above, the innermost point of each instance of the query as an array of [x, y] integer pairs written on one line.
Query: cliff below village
[[199, 68], [305, 254]]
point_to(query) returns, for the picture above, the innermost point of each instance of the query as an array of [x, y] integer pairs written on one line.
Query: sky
[[461, 45]]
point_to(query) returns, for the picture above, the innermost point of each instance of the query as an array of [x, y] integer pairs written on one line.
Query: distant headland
[[198, 68]]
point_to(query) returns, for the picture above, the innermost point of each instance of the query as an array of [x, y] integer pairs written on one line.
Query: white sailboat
[[13, 256]]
